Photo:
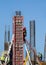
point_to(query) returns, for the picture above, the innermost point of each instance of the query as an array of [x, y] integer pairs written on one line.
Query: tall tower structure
[[9, 34], [18, 39], [5, 40], [32, 37], [45, 49], [5, 35]]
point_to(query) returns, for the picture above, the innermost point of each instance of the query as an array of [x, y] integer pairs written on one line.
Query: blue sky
[[31, 10]]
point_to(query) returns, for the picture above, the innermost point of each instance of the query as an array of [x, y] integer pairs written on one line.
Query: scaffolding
[[18, 39]]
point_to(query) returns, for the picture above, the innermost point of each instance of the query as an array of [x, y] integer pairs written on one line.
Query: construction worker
[[2, 59], [24, 33], [40, 56]]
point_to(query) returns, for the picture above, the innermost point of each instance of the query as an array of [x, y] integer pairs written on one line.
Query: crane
[[28, 57]]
